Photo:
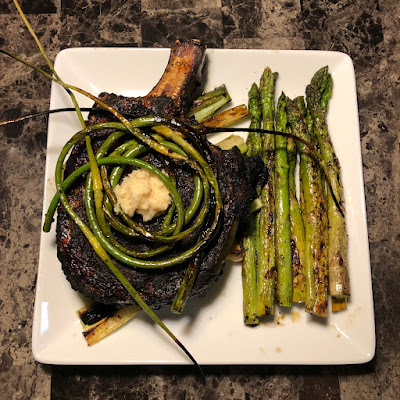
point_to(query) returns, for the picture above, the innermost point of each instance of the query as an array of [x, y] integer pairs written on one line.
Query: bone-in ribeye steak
[[237, 176]]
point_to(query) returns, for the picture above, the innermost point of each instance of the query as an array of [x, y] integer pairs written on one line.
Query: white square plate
[[211, 328]]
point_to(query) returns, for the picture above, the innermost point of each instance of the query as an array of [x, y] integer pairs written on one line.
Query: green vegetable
[[297, 229], [283, 251], [187, 284], [313, 210], [209, 103], [266, 268], [250, 241], [318, 95]]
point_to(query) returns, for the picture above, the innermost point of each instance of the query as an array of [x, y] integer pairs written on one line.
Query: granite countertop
[[367, 30]]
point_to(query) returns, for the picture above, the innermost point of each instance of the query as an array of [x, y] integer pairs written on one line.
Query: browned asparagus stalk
[[297, 229], [314, 216], [266, 268], [318, 95], [250, 240]]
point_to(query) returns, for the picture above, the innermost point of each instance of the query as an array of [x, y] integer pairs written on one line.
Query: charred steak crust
[[172, 93], [236, 176], [91, 277]]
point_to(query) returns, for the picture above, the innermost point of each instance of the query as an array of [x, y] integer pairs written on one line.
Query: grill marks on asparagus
[[314, 213], [266, 267], [259, 269], [283, 251], [318, 94], [251, 236], [297, 231]]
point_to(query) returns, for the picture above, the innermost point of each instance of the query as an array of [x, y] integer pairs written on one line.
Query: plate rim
[[36, 348]]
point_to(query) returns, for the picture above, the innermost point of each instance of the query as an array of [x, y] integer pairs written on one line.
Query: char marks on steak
[[237, 176], [171, 95]]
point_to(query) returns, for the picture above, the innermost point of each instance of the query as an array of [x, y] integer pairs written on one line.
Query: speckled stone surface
[[367, 30]]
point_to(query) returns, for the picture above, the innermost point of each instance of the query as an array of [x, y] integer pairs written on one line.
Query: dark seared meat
[[172, 93], [90, 276], [237, 176]]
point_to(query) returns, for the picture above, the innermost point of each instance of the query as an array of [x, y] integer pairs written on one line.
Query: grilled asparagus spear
[[297, 229], [250, 240], [314, 215], [266, 269], [283, 251], [318, 94]]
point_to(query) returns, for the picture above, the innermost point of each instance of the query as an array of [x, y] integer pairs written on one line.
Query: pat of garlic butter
[[143, 193]]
